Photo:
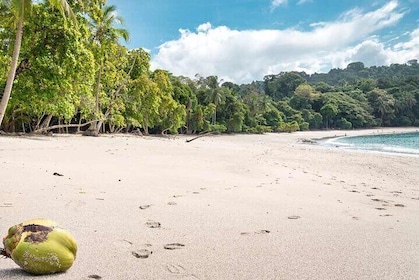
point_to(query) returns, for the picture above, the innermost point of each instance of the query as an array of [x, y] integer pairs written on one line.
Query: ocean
[[405, 143]]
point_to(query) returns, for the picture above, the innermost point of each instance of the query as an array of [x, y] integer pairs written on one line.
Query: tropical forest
[[64, 69]]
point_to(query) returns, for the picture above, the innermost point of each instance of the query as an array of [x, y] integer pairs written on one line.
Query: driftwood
[[199, 136], [46, 129]]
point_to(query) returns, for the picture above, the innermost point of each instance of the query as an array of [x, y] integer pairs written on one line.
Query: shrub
[[220, 128], [289, 126], [343, 123]]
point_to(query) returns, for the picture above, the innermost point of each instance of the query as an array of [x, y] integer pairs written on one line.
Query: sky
[[243, 40]]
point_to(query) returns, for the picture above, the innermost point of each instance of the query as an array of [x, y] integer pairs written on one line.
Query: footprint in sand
[[294, 217], [127, 241], [142, 254], [123, 244], [173, 246], [379, 200], [175, 268], [179, 270], [387, 203], [263, 231], [153, 224], [7, 204], [396, 192]]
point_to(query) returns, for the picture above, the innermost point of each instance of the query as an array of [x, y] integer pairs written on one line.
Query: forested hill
[[354, 97], [385, 75], [78, 77]]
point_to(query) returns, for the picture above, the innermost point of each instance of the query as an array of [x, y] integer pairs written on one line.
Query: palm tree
[[19, 10], [104, 32], [215, 94], [382, 103]]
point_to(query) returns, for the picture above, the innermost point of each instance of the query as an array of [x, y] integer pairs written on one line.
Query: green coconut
[[40, 246]]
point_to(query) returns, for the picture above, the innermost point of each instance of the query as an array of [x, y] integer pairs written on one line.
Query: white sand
[[227, 199]]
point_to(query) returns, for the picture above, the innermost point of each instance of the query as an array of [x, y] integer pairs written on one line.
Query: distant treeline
[[79, 78]]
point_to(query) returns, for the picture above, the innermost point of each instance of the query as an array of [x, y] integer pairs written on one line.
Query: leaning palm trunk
[[12, 73], [95, 128]]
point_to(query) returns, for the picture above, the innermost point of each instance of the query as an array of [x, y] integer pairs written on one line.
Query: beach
[[272, 206]]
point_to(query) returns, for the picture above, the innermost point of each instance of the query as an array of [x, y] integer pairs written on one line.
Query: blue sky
[[244, 40]]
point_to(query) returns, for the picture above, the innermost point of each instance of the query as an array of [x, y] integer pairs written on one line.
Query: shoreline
[[363, 132], [353, 132], [220, 207], [331, 142]]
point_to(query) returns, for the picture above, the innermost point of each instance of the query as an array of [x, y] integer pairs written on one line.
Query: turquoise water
[[406, 143]]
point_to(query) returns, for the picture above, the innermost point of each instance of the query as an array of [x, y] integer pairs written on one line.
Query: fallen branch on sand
[[46, 129], [199, 136]]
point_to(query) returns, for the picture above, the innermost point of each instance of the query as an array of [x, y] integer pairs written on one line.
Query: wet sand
[[220, 207]]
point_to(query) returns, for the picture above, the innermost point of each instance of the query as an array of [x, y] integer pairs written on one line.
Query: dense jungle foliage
[[77, 76]]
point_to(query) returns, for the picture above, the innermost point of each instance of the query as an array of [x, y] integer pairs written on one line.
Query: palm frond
[[64, 8], [18, 8]]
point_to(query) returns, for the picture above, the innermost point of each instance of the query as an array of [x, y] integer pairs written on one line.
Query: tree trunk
[[145, 126], [12, 73], [188, 116], [46, 129], [47, 121], [99, 78], [66, 128], [94, 128], [78, 128], [38, 123], [60, 129], [214, 117], [99, 126]]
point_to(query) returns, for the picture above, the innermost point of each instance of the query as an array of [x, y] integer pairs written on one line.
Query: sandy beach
[[220, 207]]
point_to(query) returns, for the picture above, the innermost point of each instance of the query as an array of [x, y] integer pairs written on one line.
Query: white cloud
[[204, 27], [304, 1], [412, 44], [276, 3], [244, 56]]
